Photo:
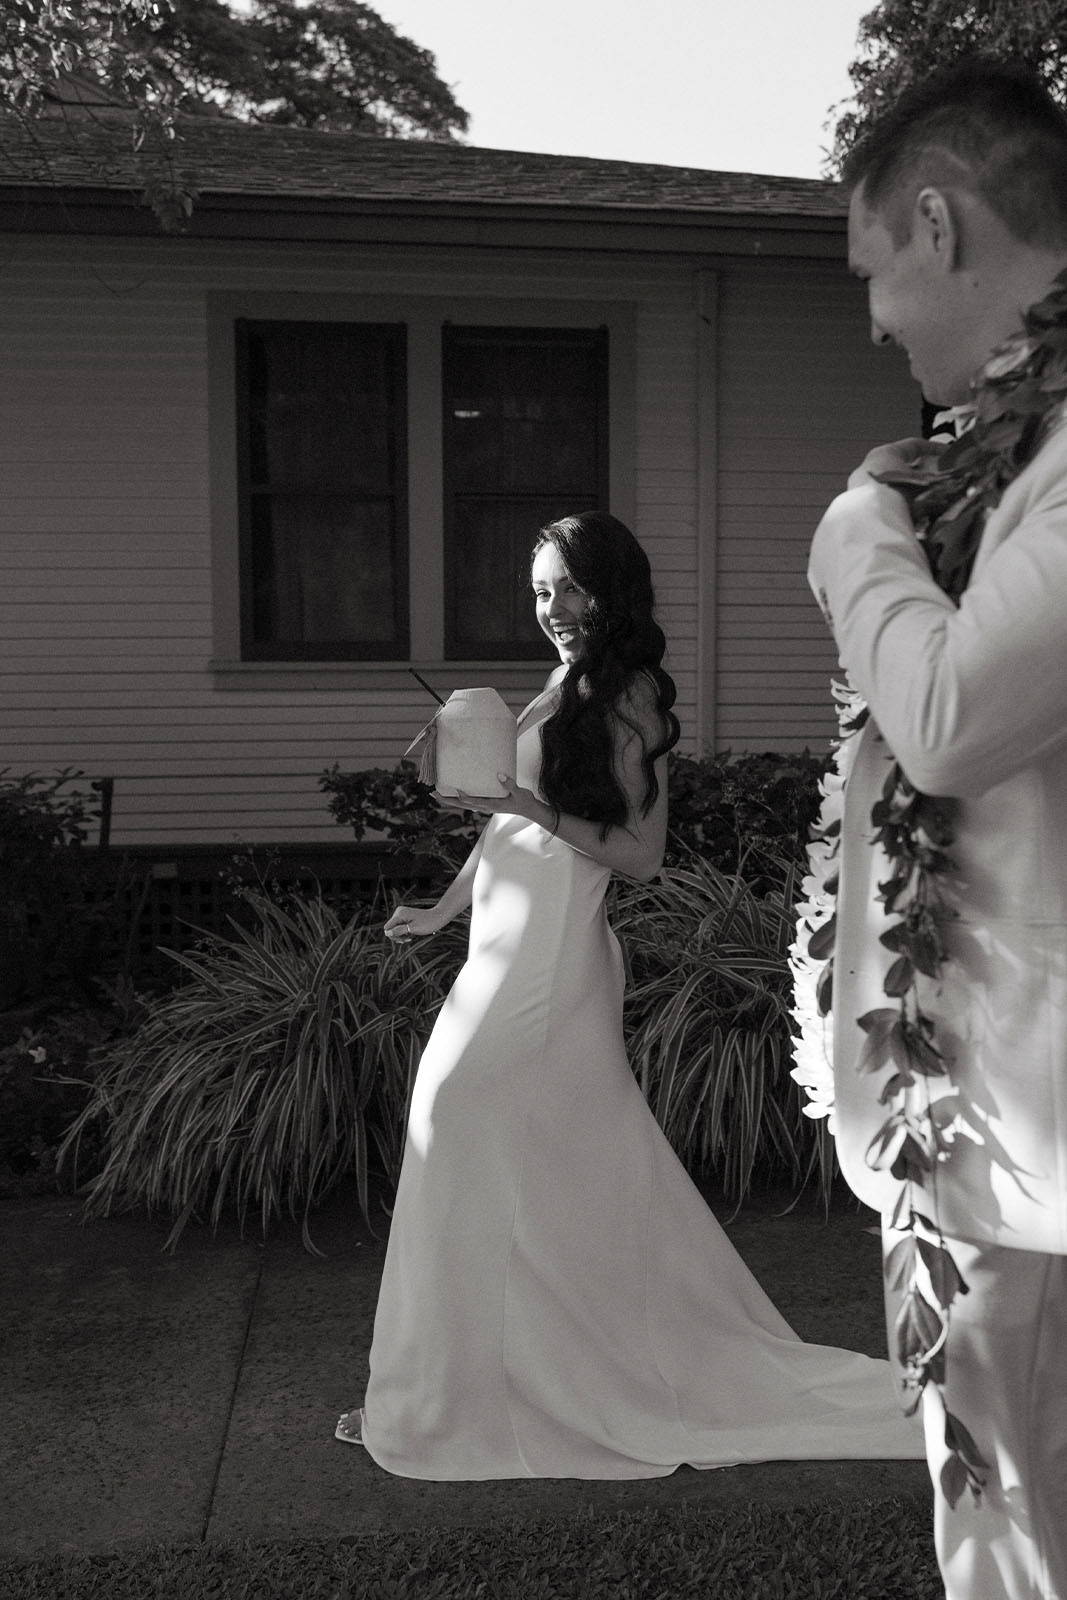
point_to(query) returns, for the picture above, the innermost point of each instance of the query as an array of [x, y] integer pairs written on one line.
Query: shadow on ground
[[192, 1395]]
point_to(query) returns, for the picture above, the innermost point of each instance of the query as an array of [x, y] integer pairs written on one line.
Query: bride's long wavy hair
[[620, 640]]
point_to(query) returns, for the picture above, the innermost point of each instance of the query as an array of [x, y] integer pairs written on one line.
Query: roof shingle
[[231, 158]]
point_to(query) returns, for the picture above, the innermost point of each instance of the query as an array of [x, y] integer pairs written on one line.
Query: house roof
[[227, 158]]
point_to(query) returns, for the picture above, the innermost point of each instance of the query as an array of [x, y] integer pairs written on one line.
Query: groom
[[958, 224]]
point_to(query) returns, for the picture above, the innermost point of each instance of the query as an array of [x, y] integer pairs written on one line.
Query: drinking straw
[[426, 686]]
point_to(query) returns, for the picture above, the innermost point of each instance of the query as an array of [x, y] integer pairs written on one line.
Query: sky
[[733, 85]]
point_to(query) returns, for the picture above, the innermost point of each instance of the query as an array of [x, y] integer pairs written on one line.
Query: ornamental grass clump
[[707, 1022], [250, 1085]]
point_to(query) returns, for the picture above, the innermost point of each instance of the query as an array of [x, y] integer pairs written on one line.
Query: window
[[322, 490], [380, 464], [525, 440]]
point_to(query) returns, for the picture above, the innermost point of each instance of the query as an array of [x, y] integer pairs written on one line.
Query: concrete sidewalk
[[193, 1396]]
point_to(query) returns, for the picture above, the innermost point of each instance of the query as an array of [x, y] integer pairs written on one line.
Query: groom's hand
[[902, 456]]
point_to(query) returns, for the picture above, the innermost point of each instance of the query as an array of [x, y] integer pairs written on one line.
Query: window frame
[[424, 316]]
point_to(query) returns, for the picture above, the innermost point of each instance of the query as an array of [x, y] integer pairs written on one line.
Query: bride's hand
[[516, 802], [413, 922]]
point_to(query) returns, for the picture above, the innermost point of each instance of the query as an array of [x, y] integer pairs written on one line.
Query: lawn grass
[[837, 1551]]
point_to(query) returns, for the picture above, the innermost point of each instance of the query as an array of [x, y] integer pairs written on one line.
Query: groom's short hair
[[981, 125]]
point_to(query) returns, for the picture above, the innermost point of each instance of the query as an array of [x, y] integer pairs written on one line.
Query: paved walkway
[[193, 1395]]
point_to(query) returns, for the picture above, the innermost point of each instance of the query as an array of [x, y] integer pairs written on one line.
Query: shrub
[[396, 805], [52, 933], [47, 1069], [740, 813], [743, 813]]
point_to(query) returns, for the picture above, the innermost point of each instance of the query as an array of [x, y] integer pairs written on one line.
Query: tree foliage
[[327, 64], [904, 40], [45, 41], [304, 63]]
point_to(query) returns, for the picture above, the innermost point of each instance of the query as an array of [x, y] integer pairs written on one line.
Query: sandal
[[349, 1427]]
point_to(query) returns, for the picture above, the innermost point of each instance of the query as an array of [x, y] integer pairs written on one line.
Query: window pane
[[322, 406], [323, 490], [522, 413], [525, 435], [322, 569]]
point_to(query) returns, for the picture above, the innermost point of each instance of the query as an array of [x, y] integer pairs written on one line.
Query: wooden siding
[[803, 394], [106, 627], [106, 602]]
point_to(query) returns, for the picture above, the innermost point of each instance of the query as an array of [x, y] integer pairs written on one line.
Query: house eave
[[490, 224]]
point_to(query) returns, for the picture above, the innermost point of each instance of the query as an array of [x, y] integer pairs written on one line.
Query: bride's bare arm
[[409, 922]]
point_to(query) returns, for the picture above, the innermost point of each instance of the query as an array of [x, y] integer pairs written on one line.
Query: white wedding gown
[[557, 1299]]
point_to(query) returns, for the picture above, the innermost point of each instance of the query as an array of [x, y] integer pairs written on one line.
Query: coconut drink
[[471, 740]]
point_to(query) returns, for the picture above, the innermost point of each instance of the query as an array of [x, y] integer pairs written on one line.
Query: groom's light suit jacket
[[973, 703]]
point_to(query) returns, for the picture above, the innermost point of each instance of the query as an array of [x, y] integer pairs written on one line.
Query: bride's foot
[[349, 1427]]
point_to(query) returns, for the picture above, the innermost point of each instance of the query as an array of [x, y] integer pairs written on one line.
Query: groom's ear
[[936, 228]]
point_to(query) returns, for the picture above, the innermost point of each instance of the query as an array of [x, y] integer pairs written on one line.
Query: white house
[[255, 471]]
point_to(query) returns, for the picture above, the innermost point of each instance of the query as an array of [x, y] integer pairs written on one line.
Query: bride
[[557, 1300]]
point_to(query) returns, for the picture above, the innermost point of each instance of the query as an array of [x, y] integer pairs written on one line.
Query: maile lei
[[950, 494]]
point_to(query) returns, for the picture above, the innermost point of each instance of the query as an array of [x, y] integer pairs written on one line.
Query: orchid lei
[[1016, 396]]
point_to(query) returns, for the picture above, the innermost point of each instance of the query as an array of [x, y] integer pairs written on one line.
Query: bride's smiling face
[[559, 601]]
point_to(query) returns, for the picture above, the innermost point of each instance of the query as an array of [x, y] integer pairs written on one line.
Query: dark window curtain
[[322, 422], [525, 441]]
